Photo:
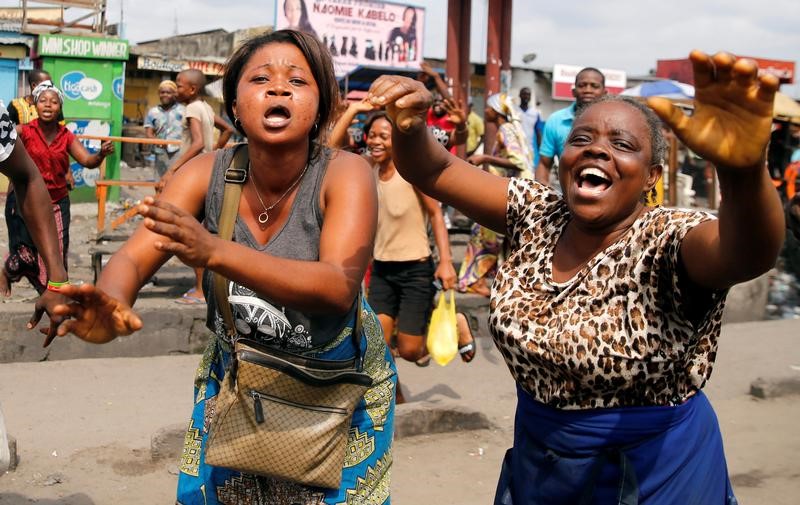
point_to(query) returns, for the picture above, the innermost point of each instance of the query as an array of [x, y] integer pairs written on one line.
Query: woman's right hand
[[406, 101], [95, 316], [361, 106]]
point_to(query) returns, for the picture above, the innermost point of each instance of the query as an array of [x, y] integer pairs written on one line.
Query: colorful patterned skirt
[[368, 460], [480, 259], [23, 259]]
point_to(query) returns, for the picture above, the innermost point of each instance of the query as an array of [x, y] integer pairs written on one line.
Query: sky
[[627, 35]]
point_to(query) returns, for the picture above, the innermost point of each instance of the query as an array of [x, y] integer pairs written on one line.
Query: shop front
[[90, 71]]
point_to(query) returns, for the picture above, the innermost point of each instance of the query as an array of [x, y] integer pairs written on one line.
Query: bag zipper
[[259, 408]]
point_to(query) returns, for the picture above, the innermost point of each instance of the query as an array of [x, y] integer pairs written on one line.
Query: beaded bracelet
[[56, 286]]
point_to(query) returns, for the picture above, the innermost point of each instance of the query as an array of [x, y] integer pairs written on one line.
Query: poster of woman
[[359, 32]]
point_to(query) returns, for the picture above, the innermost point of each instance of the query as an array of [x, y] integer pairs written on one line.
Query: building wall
[[141, 93]]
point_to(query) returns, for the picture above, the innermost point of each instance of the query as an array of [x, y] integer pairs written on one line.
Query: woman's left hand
[[186, 237], [732, 118], [446, 274], [106, 148]]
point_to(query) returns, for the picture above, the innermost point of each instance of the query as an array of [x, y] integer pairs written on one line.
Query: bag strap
[[235, 177]]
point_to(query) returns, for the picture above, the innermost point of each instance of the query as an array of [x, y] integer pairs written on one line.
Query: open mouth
[[277, 116], [593, 180]]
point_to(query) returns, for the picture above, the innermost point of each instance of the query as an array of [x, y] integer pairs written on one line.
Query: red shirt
[[441, 123], [52, 159]]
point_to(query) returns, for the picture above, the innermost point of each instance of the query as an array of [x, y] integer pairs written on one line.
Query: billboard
[[359, 32], [83, 47], [564, 80]]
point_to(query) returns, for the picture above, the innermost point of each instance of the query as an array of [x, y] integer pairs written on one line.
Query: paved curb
[[412, 419], [765, 389], [166, 331]]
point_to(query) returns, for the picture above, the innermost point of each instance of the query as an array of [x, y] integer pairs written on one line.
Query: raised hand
[[106, 148], [184, 236], [406, 100], [362, 106], [455, 111], [732, 118], [94, 316]]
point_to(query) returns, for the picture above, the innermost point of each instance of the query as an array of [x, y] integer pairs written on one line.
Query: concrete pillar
[[498, 56], [457, 66]]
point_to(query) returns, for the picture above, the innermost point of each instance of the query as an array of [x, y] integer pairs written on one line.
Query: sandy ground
[[84, 426]]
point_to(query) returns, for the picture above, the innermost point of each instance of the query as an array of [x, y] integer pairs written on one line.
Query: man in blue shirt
[[165, 121], [590, 84]]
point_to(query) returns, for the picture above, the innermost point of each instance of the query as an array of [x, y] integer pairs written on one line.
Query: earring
[[653, 196], [237, 123], [314, 128]]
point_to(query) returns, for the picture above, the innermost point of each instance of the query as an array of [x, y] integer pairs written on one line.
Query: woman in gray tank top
[[302, 239]]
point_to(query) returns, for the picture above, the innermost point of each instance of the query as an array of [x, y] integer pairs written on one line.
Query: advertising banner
[[86, 177], [359, 32], [83, 47], [88, 87], [174, 65], [564, 80], [681, 69]]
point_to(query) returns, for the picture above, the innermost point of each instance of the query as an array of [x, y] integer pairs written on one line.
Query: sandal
[[423, 361], [468, 350], [189, 299]]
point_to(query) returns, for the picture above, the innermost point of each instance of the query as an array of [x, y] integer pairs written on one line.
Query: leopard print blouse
[[618, 333]]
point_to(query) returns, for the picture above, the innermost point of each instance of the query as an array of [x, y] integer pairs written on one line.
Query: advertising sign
[[86, 177], [87, 86], [681, 70], [83, 47], [359, 32], [173, 65], [564, 80]]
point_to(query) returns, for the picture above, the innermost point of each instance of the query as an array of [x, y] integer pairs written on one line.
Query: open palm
[[94, 316], [732, 116]]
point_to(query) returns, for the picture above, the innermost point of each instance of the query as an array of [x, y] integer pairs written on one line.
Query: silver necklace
[[263, 218]]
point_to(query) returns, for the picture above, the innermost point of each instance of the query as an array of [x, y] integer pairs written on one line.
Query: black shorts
[[404, 291]]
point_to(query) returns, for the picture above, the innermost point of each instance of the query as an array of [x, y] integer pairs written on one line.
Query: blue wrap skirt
[[628, 456]]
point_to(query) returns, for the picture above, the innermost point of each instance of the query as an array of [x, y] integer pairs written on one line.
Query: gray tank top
[[256, 317]]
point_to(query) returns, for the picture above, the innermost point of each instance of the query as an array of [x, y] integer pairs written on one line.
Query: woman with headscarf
[[511, 157], [49, 145]]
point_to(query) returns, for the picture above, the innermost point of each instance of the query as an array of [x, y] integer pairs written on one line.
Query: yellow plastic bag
[[443, 331]]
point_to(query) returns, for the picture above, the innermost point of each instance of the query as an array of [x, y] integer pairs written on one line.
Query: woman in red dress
[[50, 145]]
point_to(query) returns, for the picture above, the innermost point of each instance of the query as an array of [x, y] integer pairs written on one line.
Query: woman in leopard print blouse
[[606, 311]]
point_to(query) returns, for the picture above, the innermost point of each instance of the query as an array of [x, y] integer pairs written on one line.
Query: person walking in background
[[49, 145], [22, 110], [165, 122], [607, 311], [304, 234], [475, 130], [197, 137], [590, 84], [532, 123], [401, 287], [511, 157]]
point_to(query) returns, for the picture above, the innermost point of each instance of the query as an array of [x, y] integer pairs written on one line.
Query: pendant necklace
[[263, 218]]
